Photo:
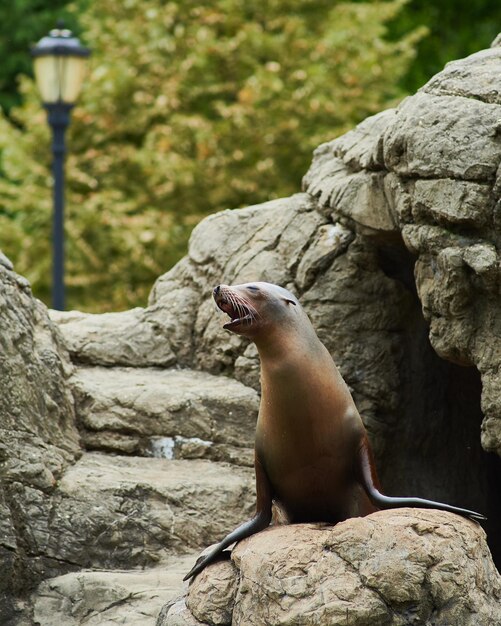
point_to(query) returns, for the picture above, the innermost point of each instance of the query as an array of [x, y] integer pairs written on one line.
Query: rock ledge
[[406, 566]]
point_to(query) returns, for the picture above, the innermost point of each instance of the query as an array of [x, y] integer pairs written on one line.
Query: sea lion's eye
[[253, 288]]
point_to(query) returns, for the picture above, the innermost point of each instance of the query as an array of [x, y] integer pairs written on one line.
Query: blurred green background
[[189, 108]]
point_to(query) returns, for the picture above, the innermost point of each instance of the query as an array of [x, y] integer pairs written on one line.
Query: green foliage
[[189, 108], [457, 28], [22, 23]]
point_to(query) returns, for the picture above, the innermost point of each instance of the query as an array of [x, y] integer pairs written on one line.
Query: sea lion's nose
[[216, 290]]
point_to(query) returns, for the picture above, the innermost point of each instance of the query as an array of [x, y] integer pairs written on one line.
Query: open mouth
[[236, 309], [239, 314]]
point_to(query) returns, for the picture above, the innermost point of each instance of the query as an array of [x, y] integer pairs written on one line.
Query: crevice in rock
[[433, 449], [396, 262], [407, 176], [431, 90]]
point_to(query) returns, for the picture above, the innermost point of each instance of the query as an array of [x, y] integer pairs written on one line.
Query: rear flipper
[[257, 523], [369, 481]]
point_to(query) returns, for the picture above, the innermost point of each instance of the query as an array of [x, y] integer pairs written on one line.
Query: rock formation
[[127, 437], [77, 521], [393, 567]]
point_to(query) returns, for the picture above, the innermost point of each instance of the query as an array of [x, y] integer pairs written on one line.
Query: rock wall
[[75, 522], [423, 182], [38, 436], [429, 172]]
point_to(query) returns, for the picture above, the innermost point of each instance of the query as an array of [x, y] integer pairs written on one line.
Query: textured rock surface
[[126, 338], [38, 437], [61, 511], [437, 161], [433, 170], [111, 511], [120, 513], [179, 413], [391, 568], [38, 432], [101, 598]]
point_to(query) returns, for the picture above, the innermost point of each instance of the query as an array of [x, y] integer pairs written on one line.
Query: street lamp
[[59, 64]]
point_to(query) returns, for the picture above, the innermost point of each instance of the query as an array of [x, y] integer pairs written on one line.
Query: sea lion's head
[[254, 307]]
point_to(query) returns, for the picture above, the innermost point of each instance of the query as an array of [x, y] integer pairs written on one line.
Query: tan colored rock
[[177, 614], [359, 194], [37, 421], [158, 335], [97, 598], [390, 568], [362, 147], [477, 77], [127, 512], [330, 241], [439, 173], [126, 338], [430, 133], [133, 409], [212, 597], [461, 202], [38, 434], [134, 512]]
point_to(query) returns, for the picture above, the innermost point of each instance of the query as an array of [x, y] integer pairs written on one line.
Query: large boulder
[[401, 567]]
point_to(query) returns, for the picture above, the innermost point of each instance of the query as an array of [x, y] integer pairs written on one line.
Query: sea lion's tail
[[371, 486]]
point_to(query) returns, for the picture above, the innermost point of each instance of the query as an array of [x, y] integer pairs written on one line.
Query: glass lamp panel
[[47, 76], [59, 78], [72, 76]]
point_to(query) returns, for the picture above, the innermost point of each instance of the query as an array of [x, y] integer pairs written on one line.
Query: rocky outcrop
[[38, 436], [400, 217], [393, 567], [428, 171], [121, 512], [68, 513], [392, 249], [38, 433]]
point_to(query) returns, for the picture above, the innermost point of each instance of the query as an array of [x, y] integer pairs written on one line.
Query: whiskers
[[242, 309]]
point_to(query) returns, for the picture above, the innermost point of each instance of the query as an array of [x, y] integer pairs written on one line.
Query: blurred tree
[[457, 28], [189, 108], [22, 23]]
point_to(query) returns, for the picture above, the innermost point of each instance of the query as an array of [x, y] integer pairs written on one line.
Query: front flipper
[[369, 482], [259, 522]]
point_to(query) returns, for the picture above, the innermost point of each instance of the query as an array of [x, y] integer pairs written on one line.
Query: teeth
[[238, 313]]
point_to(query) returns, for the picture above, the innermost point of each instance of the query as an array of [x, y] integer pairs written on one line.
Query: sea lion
[[312, 454]]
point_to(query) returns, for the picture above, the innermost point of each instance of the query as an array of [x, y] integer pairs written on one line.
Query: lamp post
[[59, 64]]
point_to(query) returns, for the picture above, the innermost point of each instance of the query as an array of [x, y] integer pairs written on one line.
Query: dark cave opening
[[433, 449]]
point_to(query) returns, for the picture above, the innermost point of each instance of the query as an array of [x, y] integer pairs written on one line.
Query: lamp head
[[59, 64]]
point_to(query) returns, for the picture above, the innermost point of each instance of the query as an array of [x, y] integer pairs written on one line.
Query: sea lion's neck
[[281, 347]]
